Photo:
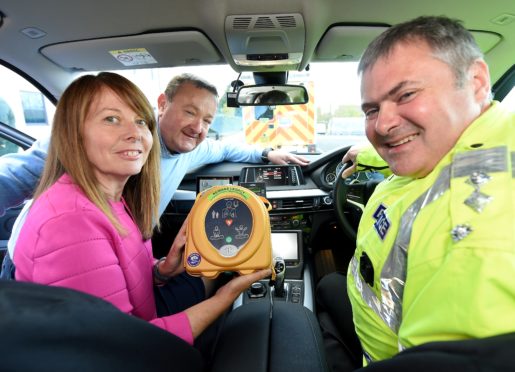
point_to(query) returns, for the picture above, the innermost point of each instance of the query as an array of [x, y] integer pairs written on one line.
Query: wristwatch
[[264, 154], [155, 270]]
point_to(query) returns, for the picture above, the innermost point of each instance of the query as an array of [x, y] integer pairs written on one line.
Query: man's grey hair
[[179, 80], [450, 42]]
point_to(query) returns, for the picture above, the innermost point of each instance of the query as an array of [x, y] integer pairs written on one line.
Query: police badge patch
[[382, 224]]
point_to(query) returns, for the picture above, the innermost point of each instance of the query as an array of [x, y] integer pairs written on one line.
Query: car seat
[[48, 328], [264, 337], [491, 354]]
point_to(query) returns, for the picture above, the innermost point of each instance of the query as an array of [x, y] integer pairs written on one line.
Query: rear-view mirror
[[272, 95]]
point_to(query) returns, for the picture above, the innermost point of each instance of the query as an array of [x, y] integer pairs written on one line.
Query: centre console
[[293, 283]]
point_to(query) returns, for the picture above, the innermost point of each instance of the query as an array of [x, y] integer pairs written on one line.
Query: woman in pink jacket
[[94, 210]]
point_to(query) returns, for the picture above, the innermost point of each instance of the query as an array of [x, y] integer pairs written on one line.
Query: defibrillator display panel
[[228, 224], [228, 230]]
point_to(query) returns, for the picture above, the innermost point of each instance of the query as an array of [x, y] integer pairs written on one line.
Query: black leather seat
[[47, 328], [491, 354], [258, 337]]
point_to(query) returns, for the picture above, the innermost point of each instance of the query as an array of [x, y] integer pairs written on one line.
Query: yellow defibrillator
[[228, 229]]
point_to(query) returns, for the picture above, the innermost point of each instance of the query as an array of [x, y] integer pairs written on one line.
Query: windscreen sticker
[[133, 57]]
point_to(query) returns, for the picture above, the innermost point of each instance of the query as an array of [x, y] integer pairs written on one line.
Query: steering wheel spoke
[[356, 195]]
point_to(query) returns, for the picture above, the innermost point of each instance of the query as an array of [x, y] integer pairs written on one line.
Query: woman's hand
[[173, 265], [238, 284]]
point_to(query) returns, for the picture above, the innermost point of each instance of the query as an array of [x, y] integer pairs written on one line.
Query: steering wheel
[[350, 197]]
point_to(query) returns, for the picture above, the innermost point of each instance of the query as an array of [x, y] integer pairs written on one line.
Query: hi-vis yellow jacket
[[435, 257]]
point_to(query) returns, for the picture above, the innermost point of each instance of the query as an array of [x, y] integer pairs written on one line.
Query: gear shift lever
[[279, 268]]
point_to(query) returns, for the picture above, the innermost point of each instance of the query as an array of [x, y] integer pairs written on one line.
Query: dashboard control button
[[328, 200]]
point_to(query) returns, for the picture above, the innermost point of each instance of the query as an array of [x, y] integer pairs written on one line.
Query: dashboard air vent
[[297, 203]]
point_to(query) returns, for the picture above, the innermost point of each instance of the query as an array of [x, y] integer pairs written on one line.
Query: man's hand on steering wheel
[[351, 196], [350, 156]]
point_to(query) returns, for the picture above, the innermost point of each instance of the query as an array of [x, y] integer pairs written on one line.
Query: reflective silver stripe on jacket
[[393, 275], [513, 164], [489, 160]]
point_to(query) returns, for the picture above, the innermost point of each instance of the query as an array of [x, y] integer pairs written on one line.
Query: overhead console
[[273, 175], [266, 42]]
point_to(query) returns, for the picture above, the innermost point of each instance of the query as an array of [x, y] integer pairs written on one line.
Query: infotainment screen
[[273, 175]]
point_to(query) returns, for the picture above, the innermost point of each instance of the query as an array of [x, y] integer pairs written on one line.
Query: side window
[[24, 107], [6, 117], [510, 99]]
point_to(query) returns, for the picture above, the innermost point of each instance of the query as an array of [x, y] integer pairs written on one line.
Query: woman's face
[[117, 140]]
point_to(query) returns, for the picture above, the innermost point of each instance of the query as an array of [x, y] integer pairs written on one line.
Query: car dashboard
[[291, 189]]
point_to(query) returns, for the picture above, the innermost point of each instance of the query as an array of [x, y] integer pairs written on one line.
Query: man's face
[[414, 110], [184, 122]]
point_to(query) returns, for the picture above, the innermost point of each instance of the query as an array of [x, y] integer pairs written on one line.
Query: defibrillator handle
[[262, 198], [266, 202]]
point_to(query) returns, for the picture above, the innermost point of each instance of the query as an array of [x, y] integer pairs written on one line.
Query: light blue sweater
[[175, 166]]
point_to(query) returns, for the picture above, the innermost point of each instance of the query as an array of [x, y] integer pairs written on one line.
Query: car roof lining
[[66, 22]]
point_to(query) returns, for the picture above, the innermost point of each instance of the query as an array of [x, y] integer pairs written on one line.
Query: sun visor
[[486, 40], [164, 49], [346, 42], [266, 42]]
